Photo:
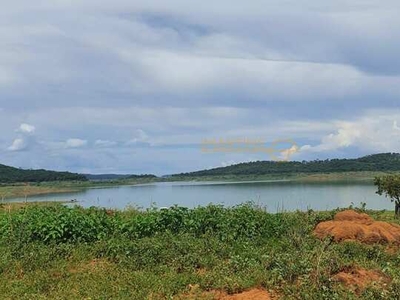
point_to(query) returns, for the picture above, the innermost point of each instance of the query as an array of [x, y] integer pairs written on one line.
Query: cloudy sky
[[135, 86]]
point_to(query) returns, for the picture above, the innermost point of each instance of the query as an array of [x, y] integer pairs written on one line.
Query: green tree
[[390, 187]]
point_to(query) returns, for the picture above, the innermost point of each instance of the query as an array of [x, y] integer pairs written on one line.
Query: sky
[[138, 86]]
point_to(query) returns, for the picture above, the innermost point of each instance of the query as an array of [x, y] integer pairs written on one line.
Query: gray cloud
[[134, 79]]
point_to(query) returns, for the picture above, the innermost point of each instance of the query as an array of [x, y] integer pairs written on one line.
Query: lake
[[274, 195]]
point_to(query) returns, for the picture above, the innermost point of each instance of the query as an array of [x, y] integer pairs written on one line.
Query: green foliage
[[63, 224], [377, 162], [11, 175], [57, 252], [143, 176], [389, 186], [109, 177], [57, 224]]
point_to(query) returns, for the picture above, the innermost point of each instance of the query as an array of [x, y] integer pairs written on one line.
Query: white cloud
[[75, 143], [288, 153], [18, 145], [395, 126], [25, 138], [105, 143], [373, 132], [346, 136], [26, 128], [139, 136], [233, 162]]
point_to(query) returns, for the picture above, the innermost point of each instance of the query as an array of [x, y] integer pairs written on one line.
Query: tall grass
[[74, 253]]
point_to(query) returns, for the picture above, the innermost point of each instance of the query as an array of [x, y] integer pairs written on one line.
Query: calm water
[[275, 195]]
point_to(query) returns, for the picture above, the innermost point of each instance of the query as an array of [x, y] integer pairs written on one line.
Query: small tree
[[390, 186]]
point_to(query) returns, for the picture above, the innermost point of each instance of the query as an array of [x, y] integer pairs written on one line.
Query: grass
[[57, 252], [20, 190], [12, 206]]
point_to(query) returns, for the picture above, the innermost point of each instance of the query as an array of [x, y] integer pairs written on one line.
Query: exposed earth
[[358, 279], [253, 294], [350, 225]]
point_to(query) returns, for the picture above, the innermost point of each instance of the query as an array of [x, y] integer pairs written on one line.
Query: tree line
[[11, 175], [375, 162]]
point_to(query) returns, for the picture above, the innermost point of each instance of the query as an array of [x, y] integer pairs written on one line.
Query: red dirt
[[358, 279], [95, 265], [351, 215], [253, 294], [352, 226]]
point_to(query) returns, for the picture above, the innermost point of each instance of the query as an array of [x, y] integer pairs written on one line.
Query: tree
[[390, 186]]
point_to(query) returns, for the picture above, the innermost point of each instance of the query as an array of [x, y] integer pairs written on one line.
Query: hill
[[11, 175], [143, 176], [376, 162], [101, 177], [106, 177]]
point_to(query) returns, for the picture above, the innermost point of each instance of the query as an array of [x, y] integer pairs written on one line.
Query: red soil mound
[[359, 279], [353, 216], [350, 225]]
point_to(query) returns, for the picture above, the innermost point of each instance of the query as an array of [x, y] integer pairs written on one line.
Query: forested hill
[[106, 176], [376, 162], [118, 176], [11, 174]]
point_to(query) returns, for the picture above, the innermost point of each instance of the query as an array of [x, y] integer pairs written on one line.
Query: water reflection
[[274, 195]]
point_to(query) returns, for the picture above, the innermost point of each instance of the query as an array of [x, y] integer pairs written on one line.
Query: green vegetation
[[143, 176], [305, 177], [15, 191], [11, 175], [105, 176], [390, 186], [118, 176], [385, 162], [56, 252]]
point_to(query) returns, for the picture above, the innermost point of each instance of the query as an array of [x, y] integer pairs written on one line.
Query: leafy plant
[[390, 186]]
